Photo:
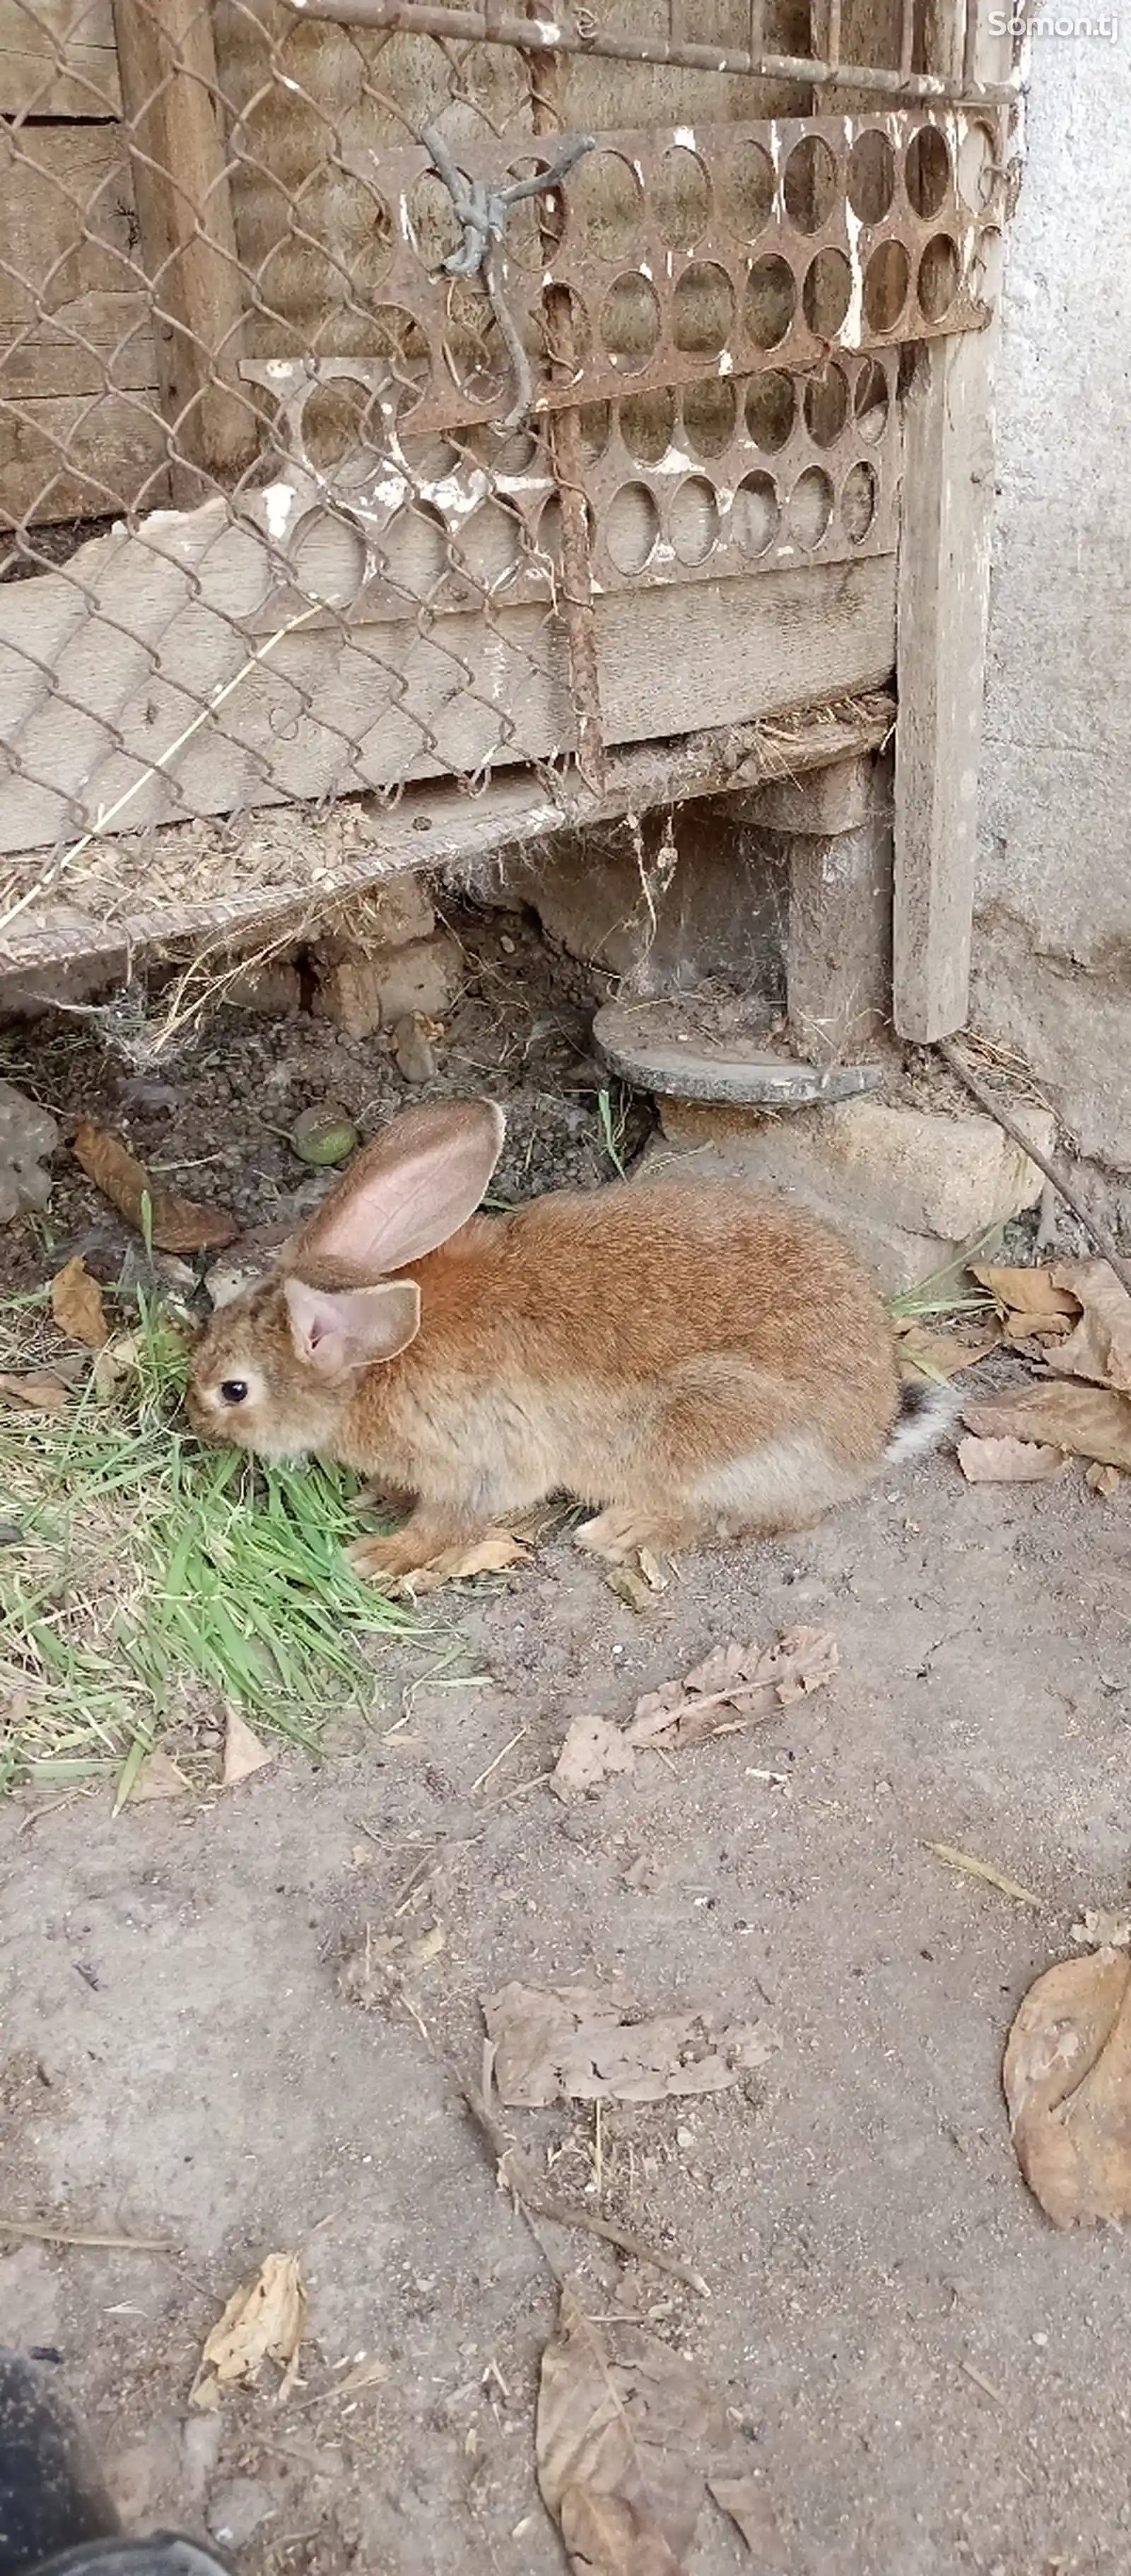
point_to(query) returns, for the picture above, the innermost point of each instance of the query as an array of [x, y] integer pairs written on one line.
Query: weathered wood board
[[140, 631], [57, 58], [80, 427]]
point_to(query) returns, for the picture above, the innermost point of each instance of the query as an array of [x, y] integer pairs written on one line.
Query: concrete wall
[[1053, 944]]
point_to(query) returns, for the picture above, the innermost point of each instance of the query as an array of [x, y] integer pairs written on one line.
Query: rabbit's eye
[[233, 1390]]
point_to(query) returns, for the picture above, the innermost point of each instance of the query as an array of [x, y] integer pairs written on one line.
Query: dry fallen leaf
[[593, 1749], [76, 1304], [177, 1225], [622, 2422], [929, 1355], [737, 1686], [631, 1587], [490, 1555], [1107, 1481], [1089, 1421], [582, 2044], [243, 1751], [744, 2498], [264, 2320], [1031, 1293], [1067, 2077], [116, 1361], [1009, 1462], [38, 1390], [158, 1778], [1100, 1347]]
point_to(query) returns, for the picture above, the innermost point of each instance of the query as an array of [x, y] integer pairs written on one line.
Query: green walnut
[[324, 1136]]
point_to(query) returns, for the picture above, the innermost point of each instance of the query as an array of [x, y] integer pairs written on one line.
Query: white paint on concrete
[[1053, 945]]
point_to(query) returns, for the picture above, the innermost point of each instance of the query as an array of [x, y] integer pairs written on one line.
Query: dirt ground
[[931, 2379]]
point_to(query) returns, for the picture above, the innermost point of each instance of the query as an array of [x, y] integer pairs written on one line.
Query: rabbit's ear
[[409, 1190], [337, 1330]]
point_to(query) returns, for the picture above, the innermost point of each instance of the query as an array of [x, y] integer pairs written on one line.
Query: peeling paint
[[279, 503]]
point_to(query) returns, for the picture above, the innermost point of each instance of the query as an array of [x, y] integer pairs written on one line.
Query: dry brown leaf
[[1100, 1347], [177, 1225], [631, 1587], [933, 1355], [38, 1390], [744, 2498], [622, 2422], [583, 2044], [116, 1361], [158, 1778], [265, 2320], [1103, 1480], [243, 1751], [593, 1749], [490, 1555], [1009, 1462], [1035, 1294], [1067, 2077], [1034, 1333], [76, 1304], [1089, 1421], [737, 1686]]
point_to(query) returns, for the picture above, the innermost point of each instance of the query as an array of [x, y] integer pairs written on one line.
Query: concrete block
[[272, 990], [386, 916], [896, 1257], [838, 798], [362, 994], [924, 1171]]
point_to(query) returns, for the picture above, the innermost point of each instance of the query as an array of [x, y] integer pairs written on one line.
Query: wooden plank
[[178, 150], [222, 889], [80, 425], [944, 560], [332, 710], [57, 58], [79, 458]]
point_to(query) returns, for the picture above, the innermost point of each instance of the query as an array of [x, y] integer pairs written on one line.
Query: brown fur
[[691, 1360]]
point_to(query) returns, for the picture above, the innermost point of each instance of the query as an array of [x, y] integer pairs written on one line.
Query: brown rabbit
[[695, 1361]]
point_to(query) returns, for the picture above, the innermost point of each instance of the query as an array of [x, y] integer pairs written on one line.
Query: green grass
[[155, 1578], [612, 1117]]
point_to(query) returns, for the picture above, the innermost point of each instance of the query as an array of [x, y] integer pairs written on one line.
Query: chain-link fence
[[381, 404]]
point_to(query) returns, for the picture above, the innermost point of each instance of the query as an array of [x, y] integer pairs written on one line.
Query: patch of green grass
[[612, 1115], [155, 1578], [950, 1291]]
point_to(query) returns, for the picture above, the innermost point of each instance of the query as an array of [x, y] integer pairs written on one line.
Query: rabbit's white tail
[[926, 1411]]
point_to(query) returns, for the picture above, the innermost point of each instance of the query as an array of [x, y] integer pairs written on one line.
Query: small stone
[[363, 993], [237, 2510], [324, 1135], [27, 1133], [412, 1048]]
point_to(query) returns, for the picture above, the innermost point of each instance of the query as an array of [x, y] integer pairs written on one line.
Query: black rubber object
[[56, 2517]]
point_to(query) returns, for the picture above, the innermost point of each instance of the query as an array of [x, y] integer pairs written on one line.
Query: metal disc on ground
[[664, 1046]]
